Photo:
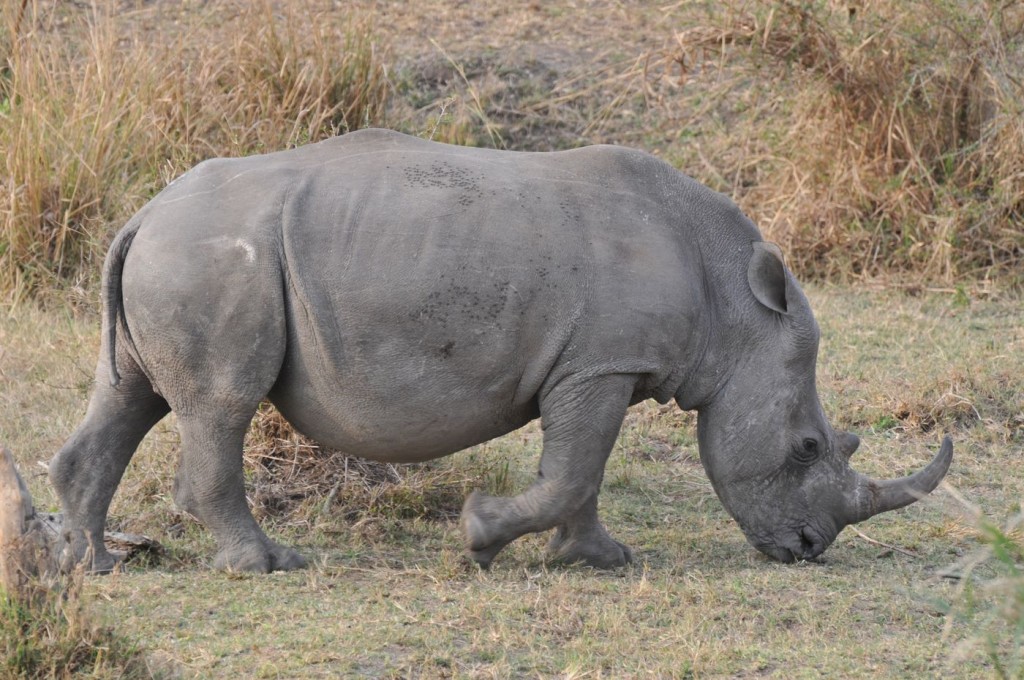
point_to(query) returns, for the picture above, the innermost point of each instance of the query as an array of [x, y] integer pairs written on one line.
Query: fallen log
[[28, 539]]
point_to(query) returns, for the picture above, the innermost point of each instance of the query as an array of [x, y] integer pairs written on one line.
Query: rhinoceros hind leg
[[582, 539], [210, 482], [87, 469], [581, 420]]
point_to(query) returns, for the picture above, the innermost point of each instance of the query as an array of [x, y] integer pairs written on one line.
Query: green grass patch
[[47, 631]]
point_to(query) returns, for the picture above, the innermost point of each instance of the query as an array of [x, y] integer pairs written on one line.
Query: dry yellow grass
[[883, 145], [101, 109], [886, 142]]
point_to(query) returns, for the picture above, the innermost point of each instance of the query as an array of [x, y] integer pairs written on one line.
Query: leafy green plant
[[885, 422]]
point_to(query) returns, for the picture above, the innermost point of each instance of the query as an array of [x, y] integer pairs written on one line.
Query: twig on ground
[[872, 541]]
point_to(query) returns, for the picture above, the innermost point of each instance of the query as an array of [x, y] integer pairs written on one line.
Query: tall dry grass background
[[874, 139], [97, 114], [879, 138]]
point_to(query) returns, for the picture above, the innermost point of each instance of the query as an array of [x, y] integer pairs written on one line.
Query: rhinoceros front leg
[[581, 420], [211, 484]]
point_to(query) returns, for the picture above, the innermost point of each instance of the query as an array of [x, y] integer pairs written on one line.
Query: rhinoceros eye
[[808, 451]]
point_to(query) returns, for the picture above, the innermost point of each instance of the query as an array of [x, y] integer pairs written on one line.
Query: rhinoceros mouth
[[802, 544]]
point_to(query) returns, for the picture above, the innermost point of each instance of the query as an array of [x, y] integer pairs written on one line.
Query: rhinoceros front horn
[[871, 497]]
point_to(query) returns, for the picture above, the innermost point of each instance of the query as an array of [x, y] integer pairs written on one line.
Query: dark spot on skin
[[446, 351], [444, 175], [484, 305]]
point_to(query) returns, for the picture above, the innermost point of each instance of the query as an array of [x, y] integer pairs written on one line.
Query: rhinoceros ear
[[766, 275]]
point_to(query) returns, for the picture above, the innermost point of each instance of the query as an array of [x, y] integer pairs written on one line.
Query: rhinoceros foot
[[490, 523], [73, 548], [594, 549], [581, 538], [483, 520], [260, 557]]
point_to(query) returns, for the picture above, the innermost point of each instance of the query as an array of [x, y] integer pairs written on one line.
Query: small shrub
[[991, 598]]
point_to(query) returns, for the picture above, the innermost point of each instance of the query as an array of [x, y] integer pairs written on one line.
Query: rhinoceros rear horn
[[871, 497]]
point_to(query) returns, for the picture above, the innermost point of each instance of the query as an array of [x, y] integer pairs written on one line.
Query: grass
[[997, 602], [47, 631], [389, 594], [885, 141], [881, 145]]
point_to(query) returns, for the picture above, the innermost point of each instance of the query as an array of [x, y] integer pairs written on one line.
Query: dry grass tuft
[[960, 400], [292, 476], [96, 114], [888, 140]]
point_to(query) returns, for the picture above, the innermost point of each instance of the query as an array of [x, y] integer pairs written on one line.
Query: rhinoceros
[[400, 299]]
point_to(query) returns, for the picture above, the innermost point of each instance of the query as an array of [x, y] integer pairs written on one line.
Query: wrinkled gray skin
[[400, 300]]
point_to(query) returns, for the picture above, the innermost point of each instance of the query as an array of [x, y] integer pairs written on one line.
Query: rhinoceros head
[[774, 460]]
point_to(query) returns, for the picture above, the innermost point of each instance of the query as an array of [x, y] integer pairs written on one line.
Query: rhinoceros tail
[[113, 304]]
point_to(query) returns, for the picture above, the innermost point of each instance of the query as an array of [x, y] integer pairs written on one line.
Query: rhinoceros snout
[[804, 543]]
